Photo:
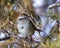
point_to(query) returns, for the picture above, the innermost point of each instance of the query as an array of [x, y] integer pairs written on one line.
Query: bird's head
[[22, 18]]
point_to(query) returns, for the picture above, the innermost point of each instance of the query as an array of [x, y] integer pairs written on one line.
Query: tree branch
[[54, 5]]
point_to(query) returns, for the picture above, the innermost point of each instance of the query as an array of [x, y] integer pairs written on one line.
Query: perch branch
[[54, 5]]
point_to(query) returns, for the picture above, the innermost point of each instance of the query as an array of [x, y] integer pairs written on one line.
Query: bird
[[24, 26]]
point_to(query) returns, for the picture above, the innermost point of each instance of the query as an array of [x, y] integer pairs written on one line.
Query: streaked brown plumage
[[25, 26]]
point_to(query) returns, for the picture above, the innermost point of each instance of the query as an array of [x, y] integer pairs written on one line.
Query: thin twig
[[54, 5]]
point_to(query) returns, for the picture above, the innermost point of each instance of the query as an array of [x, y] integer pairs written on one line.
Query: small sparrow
[[25, 26]]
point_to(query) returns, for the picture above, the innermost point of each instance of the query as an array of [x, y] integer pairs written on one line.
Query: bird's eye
[[22, 27], [23, 18], [20, 19]]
